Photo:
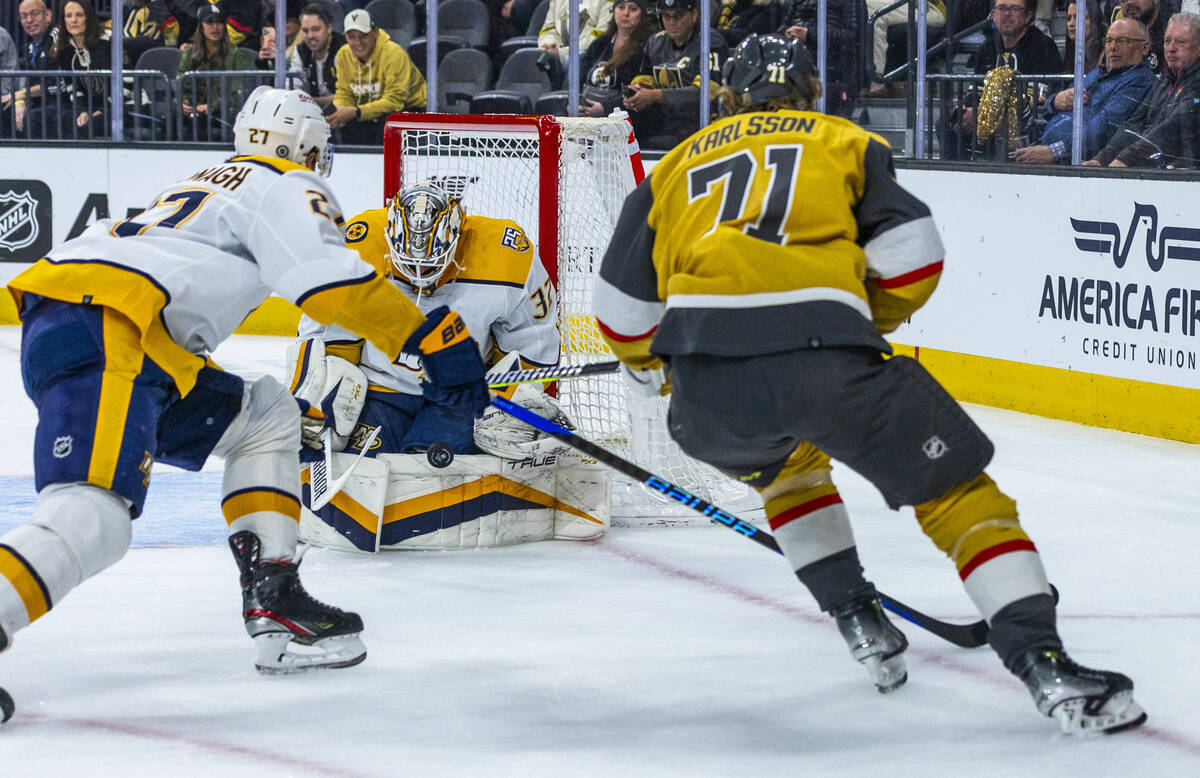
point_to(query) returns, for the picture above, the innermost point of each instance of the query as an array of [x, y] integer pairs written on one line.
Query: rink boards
[[1065, 296]]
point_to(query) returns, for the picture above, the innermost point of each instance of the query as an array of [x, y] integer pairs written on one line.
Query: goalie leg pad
[[480, 501], [351, 520], [261, 483]]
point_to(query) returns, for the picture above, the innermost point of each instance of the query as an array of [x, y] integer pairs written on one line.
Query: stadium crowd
[[193, 61]]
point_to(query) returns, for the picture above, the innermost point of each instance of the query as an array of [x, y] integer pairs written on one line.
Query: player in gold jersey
[[761, 261]]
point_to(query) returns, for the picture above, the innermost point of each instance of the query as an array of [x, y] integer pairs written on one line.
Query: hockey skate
[[292, 631], [1085, 701], [874, 642]]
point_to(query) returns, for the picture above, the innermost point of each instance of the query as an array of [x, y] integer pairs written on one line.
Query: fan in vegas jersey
[[117, 327], [438, 256], [761, 261]]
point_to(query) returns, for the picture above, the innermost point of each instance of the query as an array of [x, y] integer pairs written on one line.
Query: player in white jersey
[[117, 329], [520, 489]]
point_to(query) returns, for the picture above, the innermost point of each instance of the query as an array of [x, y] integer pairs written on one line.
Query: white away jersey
[[210, 249], [502, 292]]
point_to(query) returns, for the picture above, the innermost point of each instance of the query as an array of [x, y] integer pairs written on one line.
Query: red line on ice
[[931, 657]]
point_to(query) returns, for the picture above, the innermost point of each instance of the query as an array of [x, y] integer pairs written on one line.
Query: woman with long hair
[[78, 47], [211, 49], [1093, 39], [611, 61]]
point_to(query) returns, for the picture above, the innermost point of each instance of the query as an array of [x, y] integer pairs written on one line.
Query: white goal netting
[[564, 180]]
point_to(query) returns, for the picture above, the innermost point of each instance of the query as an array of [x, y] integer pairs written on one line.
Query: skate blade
[[278, 654], [1118, 713], [888, 674]]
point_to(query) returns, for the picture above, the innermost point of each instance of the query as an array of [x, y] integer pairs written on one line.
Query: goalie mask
[[285, 124], [423, 227], [766, 70]]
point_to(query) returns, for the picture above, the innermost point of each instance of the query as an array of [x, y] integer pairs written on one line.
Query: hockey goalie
[[430, 478]]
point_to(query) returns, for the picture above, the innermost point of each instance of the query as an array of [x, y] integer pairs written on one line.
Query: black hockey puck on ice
[[7, 706], [440, 454]]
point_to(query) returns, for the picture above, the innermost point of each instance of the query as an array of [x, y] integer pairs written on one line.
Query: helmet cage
[[423, 227]]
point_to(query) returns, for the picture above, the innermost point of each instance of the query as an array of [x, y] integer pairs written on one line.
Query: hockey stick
[[322, 488], [545, 374], [963, 635]]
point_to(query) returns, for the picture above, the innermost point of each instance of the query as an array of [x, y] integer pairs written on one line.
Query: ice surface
[[656, 652]]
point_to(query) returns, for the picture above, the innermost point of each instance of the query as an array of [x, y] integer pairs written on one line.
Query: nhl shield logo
[[62, 446], [18, 220]]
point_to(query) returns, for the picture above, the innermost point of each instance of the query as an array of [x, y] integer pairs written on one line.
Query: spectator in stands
[[738, 18], [268, 37], [1110, 95], [1154, 15], [614, 59], [1093, 38], [317, 52], [935, 16], [1163, 129], [594, 16], [1015, 44], [665, 96], [80, 109], [842, 32], [8, 61], [37, 21], [211, 49], [375, 77]]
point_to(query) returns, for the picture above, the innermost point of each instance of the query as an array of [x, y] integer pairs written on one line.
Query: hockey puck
[[7, 706], [439, 454]]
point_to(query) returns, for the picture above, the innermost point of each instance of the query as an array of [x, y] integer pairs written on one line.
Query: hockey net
[[563, 180]]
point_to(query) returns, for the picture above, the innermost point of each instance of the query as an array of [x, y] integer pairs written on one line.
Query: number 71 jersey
[[762, 233]]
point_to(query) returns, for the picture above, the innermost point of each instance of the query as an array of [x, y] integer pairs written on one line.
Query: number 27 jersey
[[209, 250]]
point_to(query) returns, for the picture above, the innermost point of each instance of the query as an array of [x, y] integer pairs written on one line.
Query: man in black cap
[[667, 91]]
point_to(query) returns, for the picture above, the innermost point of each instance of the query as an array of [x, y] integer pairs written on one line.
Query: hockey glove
[[453, 369]]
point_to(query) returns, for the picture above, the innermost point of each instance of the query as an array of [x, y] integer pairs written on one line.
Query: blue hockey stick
[[963, 635]]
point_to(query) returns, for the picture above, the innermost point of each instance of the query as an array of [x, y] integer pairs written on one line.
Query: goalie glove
[[333, 389], [504, 436]]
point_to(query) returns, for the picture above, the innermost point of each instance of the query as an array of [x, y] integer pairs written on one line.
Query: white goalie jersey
[[500, 289]]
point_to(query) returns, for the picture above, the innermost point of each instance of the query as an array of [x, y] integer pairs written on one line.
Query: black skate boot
[[873, 640], [293, 631], [1085, 701]]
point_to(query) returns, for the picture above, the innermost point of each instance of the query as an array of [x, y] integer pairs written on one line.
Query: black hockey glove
[[451, 360]]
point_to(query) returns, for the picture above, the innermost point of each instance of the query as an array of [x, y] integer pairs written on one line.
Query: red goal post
[[563, 180]]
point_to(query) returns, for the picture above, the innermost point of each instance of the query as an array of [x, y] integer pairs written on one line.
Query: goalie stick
[[963, 635], [321, 488], [546, 374]]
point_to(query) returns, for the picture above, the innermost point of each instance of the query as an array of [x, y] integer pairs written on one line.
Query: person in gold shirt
[[761, 261], [375, 78]]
